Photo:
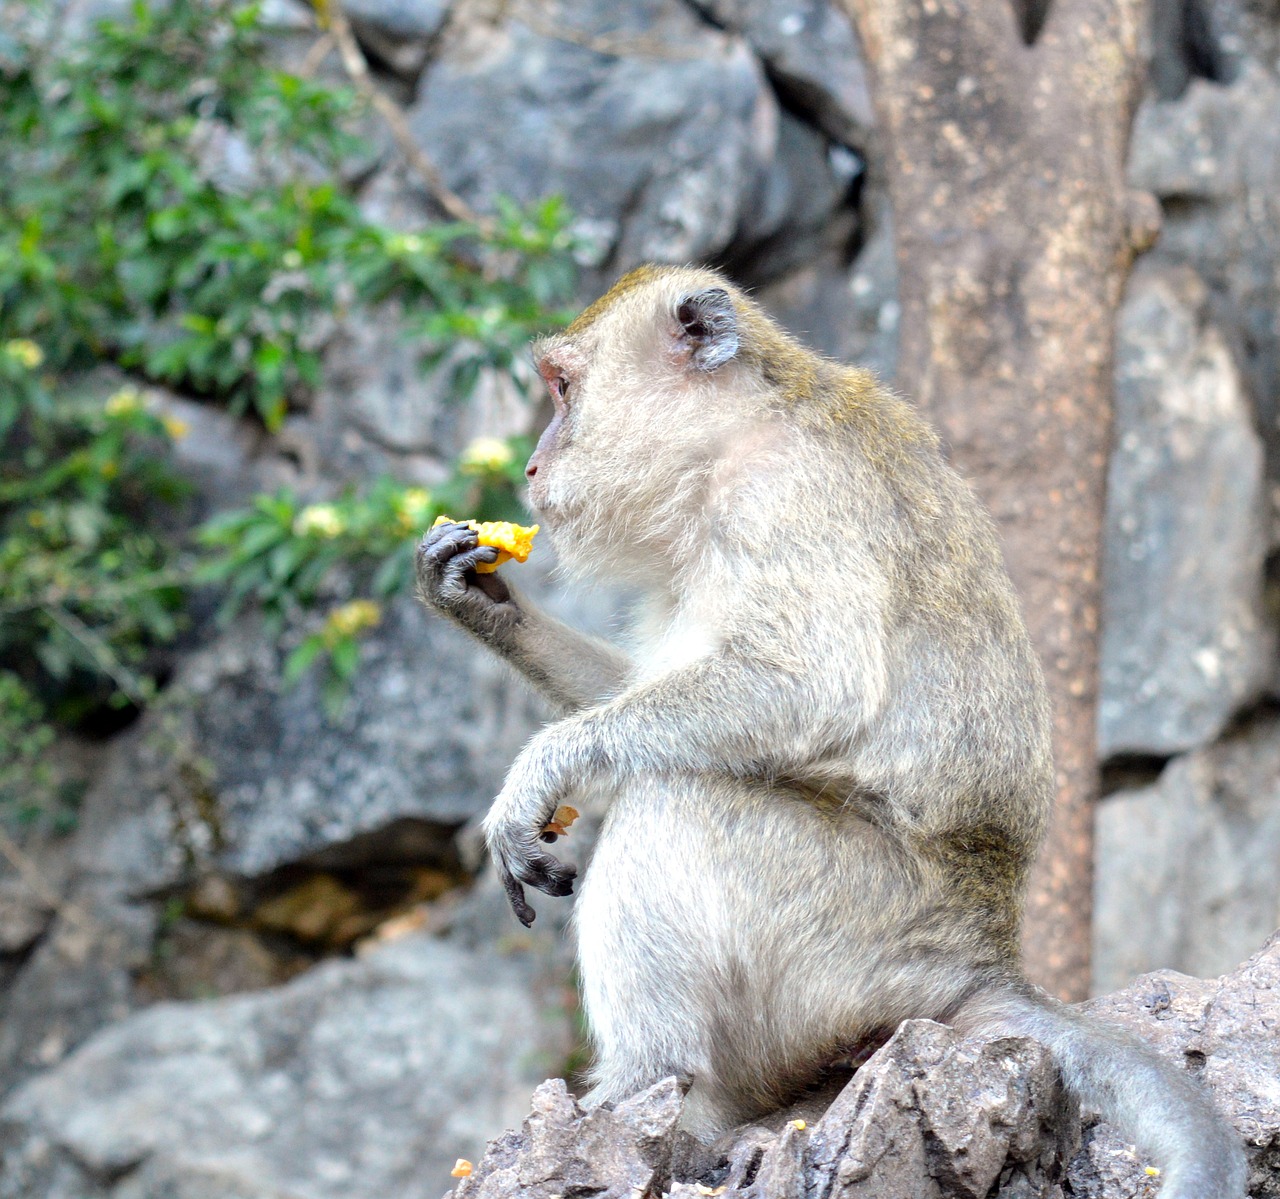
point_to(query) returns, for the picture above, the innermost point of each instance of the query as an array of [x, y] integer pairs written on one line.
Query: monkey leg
[[739, 936]]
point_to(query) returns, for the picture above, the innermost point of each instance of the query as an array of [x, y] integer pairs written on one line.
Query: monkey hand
[[449, 582], [513, 833]]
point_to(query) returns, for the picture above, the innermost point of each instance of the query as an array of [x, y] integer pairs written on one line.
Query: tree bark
[[1015, 232]]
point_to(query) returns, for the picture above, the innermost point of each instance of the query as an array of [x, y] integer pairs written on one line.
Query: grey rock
[[79, 977], [929, 1114], [932, 1114], [659, 130], [847, 311], [374, 386], [1186, 868], [235, 773], [398, 35], [811, 50], [1224, 1030], [1213, 158], [362, 1078], [1184, 639], [797, 211], [24, 916], [428, 730], [1246, 32], [404, 20], [611, 1152]]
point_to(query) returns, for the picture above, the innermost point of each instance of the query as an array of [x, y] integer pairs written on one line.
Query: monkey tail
[[1164, 1110]]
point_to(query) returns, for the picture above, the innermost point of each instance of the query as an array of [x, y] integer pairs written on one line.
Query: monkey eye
[[559, 387]]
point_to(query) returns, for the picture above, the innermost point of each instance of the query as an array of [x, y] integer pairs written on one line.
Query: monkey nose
[[530, 470]]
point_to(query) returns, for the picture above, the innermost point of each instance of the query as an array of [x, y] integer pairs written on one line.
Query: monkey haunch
[[829, 750]]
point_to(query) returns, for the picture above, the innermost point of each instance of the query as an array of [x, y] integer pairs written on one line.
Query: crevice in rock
[[1262, 710], [224, 934], [1031, 16], [1130, 772], [1187, 46], [753, 263]]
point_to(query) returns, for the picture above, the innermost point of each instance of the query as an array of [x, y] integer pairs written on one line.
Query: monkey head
[[647, 384]]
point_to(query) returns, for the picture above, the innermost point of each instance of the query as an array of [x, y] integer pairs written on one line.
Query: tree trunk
[[1015, 232]]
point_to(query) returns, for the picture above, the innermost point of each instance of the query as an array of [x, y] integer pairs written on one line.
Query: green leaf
[[300, 660]]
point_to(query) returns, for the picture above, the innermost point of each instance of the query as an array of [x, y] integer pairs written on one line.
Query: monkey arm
[[570, 668], [723, 712]]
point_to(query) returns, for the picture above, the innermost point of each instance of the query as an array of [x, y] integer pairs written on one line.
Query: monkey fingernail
[[551, 834]]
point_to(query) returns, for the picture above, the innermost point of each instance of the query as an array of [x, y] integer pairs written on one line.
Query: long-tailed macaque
[[829, 747]]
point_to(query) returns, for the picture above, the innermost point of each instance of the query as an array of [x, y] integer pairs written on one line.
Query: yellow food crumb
[[462, 1168], [559, 824], [509, 539], [798, 1125], [1151, 1170]]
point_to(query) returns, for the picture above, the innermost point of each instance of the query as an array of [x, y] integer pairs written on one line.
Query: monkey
[[827, 747]]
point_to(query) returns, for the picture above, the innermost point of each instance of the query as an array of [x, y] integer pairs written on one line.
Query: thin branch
[[316, 55], [101, 654], [357, 69], [553, 25], [35, 882]]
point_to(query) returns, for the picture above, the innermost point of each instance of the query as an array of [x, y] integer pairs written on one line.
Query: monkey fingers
[[443, 561], [515, 892], [536, 868], [440, 544]]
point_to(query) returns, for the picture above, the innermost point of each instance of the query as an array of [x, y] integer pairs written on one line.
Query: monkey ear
[[709, 327]]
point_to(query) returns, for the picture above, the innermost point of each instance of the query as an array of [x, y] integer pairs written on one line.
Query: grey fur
[[829, 752]]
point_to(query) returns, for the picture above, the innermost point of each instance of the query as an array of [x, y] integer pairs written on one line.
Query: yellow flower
[[405, 243], [25, 351], [412, 507], [177, 429], [324, 519], [485, 456], [350, 619], [124, 402], [109, 469], [510, 540]]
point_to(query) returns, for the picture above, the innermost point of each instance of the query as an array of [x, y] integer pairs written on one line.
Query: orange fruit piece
[[508, 538]]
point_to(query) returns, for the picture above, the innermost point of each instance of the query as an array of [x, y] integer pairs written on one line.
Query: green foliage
[[85, 585], [170, 202], [173, 205], [285, 557]]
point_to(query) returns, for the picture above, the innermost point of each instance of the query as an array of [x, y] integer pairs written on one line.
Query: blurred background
[[267, 277]]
